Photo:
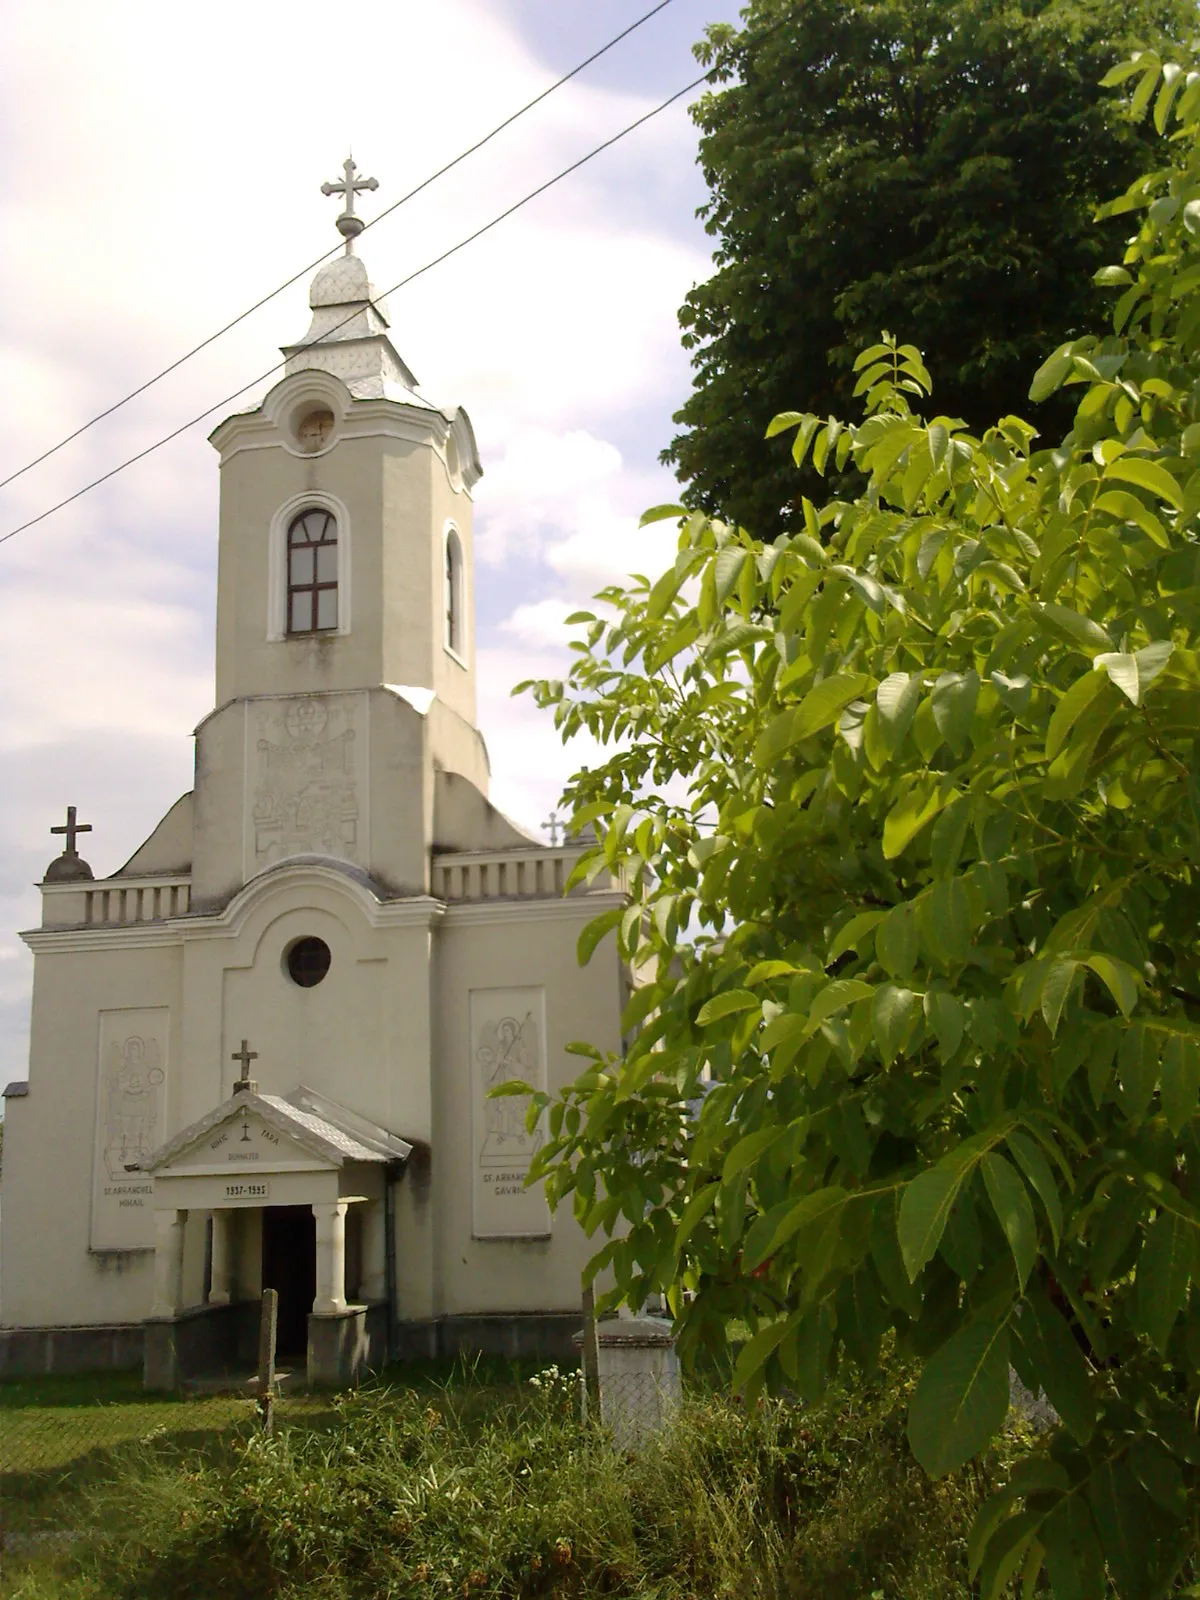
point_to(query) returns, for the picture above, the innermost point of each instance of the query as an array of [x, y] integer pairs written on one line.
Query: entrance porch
[[296, 1191]]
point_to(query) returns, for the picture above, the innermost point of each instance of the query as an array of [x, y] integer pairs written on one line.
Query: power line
[[312, 265], [420, 272]]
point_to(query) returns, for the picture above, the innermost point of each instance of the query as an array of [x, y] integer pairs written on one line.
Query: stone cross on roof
[[553, 824], [350, 224], [71, 828], [69, 867], [245, 1055]]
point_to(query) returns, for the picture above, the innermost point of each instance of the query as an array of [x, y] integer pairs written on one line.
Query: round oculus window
[[307, 962], [313, 429]]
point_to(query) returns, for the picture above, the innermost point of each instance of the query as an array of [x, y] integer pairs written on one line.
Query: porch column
[[331, 1257], [221, 1279], [168, 1263], [374, 1252]]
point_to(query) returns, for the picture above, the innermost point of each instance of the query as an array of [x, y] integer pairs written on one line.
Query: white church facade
[[261, 1050]]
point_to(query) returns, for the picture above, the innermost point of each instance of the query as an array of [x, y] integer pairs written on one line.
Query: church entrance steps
[[287, 1381]]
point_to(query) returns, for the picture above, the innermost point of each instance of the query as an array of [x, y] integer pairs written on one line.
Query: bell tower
[[346, 556], [345, 583]]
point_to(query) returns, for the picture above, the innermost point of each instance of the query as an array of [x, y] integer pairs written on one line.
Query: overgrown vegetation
[[909, 806], [467, 1490]]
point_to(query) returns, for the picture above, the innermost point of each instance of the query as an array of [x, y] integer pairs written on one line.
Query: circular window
[[313, 429], [307, 962]]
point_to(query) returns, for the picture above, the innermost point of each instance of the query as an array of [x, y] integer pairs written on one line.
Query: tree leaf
[[697, 1207], [1180, 1081], [919, 804], [1080, 628], [848, 936], [748, 1149], [756, 1351], [1118, 977], [1070, 707], [1126, 507], [949, 835], [1134, 671], [892, 1015], [1164, 1272], [954, 698], [1147, 475], [947, 1017], [949, 918], [924, 1212], [825, 703], [792, 1217], [897, 699], [727, 1004], [1074, 1560], [961, 1399], [1137, 1069], [1048, 1358], [896, 941], [1036, 1168], [1010, 1202], [835, 997], [1052, 372], [1056, 986], [594, 931]]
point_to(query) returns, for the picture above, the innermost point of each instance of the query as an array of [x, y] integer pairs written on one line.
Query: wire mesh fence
[[61, 1437]]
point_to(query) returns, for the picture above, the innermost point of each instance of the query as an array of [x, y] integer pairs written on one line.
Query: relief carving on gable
[[306, 779]]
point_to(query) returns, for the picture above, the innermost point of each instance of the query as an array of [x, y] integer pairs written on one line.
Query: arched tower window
[[312, 589], [453, 593]]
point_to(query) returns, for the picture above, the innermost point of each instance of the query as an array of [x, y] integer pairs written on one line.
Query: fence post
[[267, 1325], [591, 1356]]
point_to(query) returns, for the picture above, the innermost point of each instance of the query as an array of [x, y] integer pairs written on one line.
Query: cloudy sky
[[161, 171]]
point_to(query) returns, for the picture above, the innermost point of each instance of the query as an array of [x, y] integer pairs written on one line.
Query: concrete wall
[[498, 946], [50, 1274]]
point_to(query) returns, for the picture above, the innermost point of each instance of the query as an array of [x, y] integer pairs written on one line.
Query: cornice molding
[[417, 911], [262, 428], [573, 908]]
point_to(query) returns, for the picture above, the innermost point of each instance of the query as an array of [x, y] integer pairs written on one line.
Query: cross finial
[[245, 1055], [72, 828], [553, 824], [350, 224]]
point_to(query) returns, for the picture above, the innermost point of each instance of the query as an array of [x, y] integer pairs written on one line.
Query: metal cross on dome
[[71, 828], [350, 224]]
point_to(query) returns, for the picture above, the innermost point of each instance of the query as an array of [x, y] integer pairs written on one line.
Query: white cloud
[[169, 175]]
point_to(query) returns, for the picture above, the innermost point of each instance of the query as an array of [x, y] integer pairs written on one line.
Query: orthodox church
[[261, 1051]]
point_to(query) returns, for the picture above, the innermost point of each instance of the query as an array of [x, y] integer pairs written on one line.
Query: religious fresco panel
[[131, 1111], [306, 779], [508, 1041]]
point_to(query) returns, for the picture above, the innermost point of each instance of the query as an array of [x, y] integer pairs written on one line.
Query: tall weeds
[[501, 1495]]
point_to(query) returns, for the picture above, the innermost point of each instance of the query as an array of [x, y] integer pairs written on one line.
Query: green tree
[[909, 808], [930, 164]]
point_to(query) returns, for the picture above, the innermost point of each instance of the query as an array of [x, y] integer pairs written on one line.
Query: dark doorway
[[289, 1266]]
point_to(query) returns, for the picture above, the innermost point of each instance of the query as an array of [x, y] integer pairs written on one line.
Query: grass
[[477, 1483]]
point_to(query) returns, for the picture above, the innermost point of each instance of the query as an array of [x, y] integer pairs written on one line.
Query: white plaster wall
[[512, 945], [50, 1276], [387, 469]]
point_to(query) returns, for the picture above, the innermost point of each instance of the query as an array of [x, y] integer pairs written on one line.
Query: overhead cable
[[411, 277], [312, 265]]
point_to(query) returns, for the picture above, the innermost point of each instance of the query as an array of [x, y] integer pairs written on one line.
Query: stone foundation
[[337, 1348], [209, 1340], [111, 1347], [519, 1336]]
